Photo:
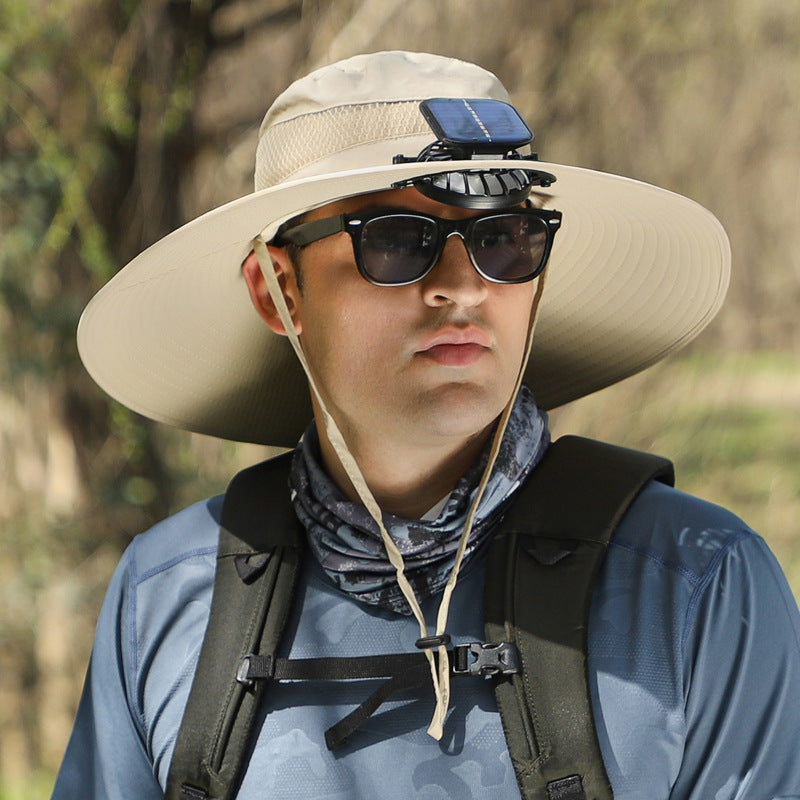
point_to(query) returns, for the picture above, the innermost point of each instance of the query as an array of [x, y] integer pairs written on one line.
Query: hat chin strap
[[440, 677]]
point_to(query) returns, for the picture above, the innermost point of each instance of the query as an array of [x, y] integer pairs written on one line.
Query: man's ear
[[259, 293]]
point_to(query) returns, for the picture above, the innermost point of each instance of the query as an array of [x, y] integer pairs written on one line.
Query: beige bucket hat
[[635, 273]]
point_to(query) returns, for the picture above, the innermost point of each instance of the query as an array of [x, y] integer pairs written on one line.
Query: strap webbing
[[248, 614], [551, 546], [259, 668], [412, 678], [403, 670]]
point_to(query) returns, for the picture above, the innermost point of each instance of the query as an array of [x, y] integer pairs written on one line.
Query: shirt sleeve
[[742, 690], [106, 758]]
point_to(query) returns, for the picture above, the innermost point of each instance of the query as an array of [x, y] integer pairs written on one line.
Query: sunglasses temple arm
[[308, 232]]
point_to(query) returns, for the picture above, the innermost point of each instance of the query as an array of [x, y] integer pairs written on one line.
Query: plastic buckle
[[243, 673], [489, 659]]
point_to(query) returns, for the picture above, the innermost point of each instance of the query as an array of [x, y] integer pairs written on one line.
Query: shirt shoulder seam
[[175, 561], [135, 581], [649, 554], [705, 579]]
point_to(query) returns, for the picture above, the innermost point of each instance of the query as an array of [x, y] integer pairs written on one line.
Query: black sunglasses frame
[[307, 233]]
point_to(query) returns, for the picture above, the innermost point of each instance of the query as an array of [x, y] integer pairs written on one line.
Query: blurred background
[[122, 119]]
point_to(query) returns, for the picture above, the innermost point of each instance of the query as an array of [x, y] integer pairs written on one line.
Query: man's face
[[426, 362]]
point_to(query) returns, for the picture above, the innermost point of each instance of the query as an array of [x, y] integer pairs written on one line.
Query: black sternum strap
[[402, 671]]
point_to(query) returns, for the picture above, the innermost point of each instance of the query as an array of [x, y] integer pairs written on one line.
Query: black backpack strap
[[260, 549], [541, 571]]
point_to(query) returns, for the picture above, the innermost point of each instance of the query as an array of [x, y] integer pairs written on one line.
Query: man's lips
[[455, 347]]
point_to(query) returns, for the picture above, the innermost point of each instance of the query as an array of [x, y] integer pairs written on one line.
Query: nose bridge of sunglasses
[[455, 227], [463, 256], [456, 232]]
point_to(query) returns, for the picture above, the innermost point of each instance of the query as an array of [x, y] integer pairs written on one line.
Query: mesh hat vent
[[297, 145]]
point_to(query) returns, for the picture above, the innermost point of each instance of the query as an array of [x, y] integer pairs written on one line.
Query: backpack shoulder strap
[[542, 566], [260, 549]]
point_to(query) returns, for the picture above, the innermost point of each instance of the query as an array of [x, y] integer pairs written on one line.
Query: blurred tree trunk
[[95, 133]]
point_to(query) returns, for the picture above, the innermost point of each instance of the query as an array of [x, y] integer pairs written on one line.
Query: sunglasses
[[396, 248]]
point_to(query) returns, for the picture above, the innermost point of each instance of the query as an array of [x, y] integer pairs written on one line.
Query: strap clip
[[254, 668], [489, 659]]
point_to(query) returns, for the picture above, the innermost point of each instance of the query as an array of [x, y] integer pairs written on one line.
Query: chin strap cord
[[440, 674], [444, 606]]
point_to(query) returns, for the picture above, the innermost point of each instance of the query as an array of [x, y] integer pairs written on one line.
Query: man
[[412, 290]]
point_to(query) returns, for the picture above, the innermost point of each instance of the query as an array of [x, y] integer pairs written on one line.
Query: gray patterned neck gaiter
[[346, 540]]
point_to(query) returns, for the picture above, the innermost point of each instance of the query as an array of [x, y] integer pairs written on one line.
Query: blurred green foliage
[[35, 787], [91, 94]]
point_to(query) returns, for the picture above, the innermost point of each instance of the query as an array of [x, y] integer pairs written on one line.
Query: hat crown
[[360, 112]]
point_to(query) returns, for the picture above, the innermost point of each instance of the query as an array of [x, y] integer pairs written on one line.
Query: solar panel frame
[[479, 124]]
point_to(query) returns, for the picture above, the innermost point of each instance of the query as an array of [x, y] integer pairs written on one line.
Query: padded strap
[[257, 565], [541, 570]]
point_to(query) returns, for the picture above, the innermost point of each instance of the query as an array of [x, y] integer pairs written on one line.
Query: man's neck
[[405, 481]]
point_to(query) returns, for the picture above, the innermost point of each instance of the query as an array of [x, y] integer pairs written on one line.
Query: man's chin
[[459, 410]]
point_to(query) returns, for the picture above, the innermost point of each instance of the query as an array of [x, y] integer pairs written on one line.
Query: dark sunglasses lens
[[397, 248], [509, 248]]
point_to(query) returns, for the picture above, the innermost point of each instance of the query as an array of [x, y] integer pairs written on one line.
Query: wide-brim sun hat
[[636, 272]]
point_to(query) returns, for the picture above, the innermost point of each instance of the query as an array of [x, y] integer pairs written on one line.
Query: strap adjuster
[[476, 658], [254, 668]]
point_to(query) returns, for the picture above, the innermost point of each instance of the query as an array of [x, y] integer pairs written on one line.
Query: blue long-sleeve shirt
[[694, 660]]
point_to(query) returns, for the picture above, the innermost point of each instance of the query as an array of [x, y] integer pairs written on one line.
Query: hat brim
[[636, 272]]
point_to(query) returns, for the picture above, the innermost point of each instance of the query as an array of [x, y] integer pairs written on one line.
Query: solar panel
[[482, 125]]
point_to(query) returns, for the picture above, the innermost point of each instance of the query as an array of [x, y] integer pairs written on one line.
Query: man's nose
[[453, 278]]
